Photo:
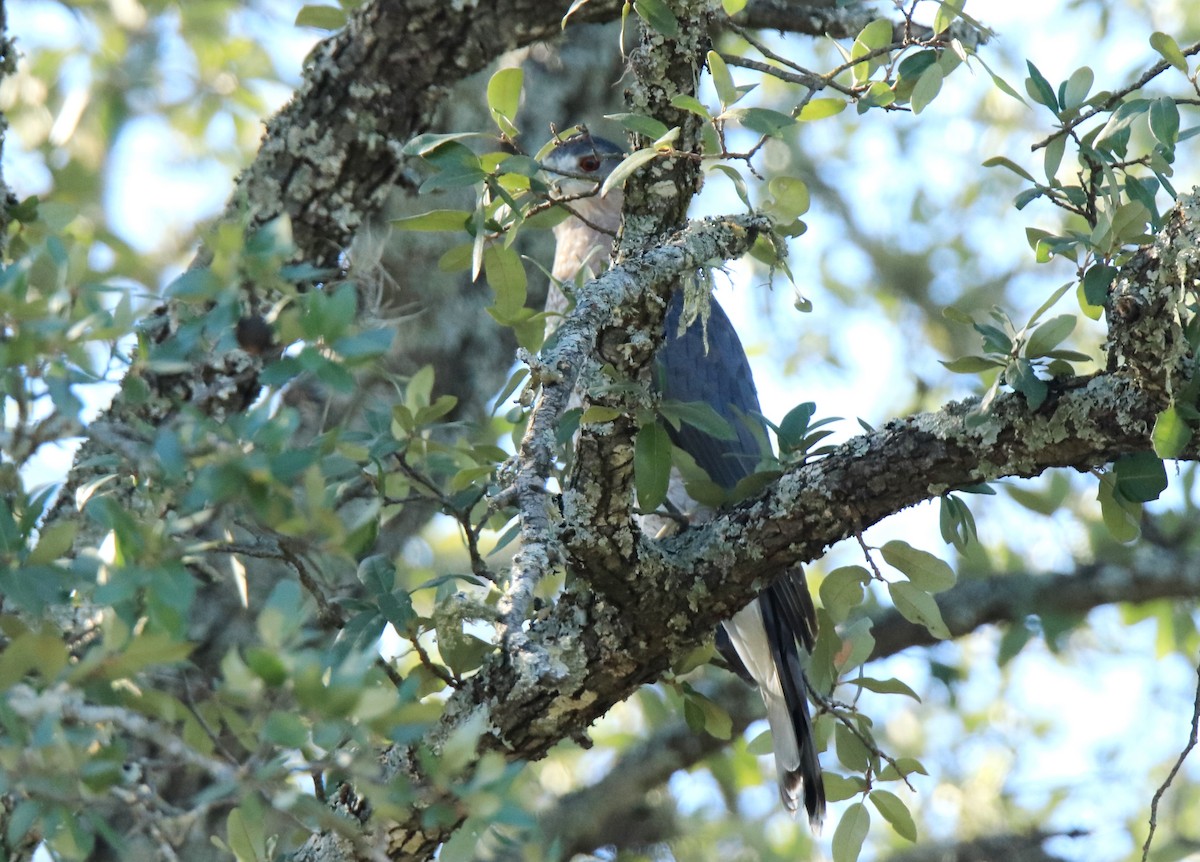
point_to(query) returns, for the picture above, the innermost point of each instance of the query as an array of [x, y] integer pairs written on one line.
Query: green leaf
[[420, 389], [504, 98], [506, 276], [364, 345], [1076, 88], [1121, 516], [994, 340], [427, 144], [895, 812], [842, 591], [850, 833], [947, 11], [839, 788], [700, 415], [1054, 157], [850, 750], [1039, 88], [917, 606], [732, 7], [761, 745], [927, 88], [285, 729], [956, 523], [857, 636], [32, 651], [1129, 223], [652, 465], [1141, 477], [458, 257], [1169, 49], [878, 95], [434, 220], [1048, 336], [1050, 302], [764, 121], [244, 831], [692, 104], [641, 124], [791, 198], [819, 109], [626, 168], [1121, 119], [1171, 434], [713, 719], [1096, 283], [971, 364], [659, 16], [904, 766], [1014, 639], [321, 17], [1002, 85], [462, 651], [596, 415], [794, 425], [957, 315], [727, 91], [1020, 376], [1004, 162], [54, 541], [929, 573], [739, 184], [1164, 120], [884, 686], [875, 35], [195, 284]]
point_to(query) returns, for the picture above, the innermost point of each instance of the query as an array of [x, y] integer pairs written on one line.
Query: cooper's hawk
[[706, 363]]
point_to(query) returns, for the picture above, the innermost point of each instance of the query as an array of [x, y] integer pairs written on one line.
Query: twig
[[805, 79], [1162, 789], [867, 553], [1152, 73], [436, 669], [329, 615]]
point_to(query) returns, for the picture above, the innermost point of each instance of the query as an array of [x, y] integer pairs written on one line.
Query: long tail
[[763, 635]]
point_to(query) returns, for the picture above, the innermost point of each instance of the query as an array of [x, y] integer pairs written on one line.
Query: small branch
[[433, 667], [62, 704], [1107, 105], [1187, 749], [1012, 597]]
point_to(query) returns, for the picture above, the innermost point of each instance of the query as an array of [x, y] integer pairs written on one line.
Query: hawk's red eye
[[588, 164]]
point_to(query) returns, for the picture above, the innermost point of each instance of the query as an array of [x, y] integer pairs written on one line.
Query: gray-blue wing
[[708, 364]]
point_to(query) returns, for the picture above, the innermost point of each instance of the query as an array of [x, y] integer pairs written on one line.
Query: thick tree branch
[[601, 813], [557, 370], [989, 848], [597, 506], [836, 20], [603, 648], [1152, 573]]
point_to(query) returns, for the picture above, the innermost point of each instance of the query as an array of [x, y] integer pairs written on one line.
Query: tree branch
[[604, 648]]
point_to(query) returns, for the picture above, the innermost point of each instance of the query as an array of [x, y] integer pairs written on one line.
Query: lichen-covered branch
[[626, 285], [598, 502], [688, 583]]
